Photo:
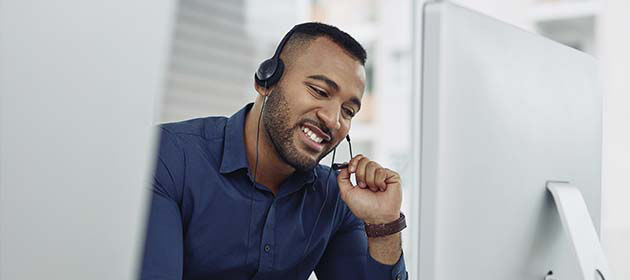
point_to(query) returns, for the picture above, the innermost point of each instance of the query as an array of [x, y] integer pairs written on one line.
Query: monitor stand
[[577, 223]]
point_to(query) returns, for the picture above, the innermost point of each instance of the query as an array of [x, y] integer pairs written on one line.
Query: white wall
[[78, 81], [393, 119]]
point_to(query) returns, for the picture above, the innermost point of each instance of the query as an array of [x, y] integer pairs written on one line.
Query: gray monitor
[[78, 89], [504, 112]]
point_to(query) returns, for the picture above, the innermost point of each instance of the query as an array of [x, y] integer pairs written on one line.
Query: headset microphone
[[339, 166]]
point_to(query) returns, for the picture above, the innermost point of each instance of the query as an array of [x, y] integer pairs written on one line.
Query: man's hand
[[377, 197]]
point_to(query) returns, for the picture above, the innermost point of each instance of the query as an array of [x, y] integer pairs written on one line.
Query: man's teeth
[[312, 135]]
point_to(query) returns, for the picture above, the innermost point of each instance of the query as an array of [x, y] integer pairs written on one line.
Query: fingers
[[369, 174], [352, 167], [379, 178], [370, 170], [343, 180], [360, 172], [354, 162]]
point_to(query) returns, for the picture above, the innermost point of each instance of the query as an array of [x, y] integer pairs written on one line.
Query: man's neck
[[271, 170]]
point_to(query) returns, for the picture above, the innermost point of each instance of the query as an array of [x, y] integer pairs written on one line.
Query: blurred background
[[217, 46], [198, 58]]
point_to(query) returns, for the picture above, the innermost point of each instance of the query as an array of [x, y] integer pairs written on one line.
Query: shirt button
[[267, 248]]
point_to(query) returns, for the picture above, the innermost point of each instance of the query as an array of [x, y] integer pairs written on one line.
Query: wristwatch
[[380, 230]]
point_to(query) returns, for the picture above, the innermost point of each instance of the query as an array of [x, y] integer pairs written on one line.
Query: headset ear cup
[[259, 82], [265, 71], [276, 74]]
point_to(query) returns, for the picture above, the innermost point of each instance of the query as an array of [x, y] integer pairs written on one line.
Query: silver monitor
[[78, 86], [504, 113]]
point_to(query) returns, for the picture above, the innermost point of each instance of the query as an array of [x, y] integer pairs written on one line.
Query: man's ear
[[262, 91]]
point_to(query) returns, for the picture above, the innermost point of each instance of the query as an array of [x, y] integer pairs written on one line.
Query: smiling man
[[245, 197]]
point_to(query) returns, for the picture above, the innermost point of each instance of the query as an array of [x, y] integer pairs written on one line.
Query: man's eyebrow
[[335, 87], [326, 80]]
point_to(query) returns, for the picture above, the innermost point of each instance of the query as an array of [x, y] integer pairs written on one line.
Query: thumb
[[343, 180]]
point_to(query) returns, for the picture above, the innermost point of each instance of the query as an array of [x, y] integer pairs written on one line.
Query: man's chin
[[308, 157], [307, 161], [313, 158]]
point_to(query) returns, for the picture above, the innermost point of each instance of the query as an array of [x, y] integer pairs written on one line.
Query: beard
[[276, 121]]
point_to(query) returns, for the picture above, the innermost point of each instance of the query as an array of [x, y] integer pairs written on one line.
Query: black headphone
[[270, 70]]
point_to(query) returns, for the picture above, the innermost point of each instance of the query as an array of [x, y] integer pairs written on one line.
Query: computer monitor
[[505, 113], [78, 89]]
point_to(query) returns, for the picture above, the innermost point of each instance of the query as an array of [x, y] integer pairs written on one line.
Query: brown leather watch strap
[[380, 230]]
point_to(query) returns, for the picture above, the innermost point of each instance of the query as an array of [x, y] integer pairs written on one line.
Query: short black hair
[[304, 33]]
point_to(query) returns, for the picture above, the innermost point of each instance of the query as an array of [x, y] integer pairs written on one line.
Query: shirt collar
[[234, 152]]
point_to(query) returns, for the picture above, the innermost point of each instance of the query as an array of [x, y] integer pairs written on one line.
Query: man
[[209, 220]]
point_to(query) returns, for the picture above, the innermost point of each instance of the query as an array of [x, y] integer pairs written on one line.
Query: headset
[[268, 74], [270, 70]]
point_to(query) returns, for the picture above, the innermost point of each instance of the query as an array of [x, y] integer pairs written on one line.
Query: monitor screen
[[503, 112]]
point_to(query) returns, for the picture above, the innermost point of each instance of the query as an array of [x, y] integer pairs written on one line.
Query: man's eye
[[319, 92], [349, 112]]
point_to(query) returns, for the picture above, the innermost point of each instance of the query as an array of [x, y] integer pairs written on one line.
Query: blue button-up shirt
[[208, 221]]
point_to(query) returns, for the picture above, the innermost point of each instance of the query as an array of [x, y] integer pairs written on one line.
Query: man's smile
[[312, 139]]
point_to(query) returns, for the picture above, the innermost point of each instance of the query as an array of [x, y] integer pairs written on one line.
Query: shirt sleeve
[[163, 251], [347, 257]]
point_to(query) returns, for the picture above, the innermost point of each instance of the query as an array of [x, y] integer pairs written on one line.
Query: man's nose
[[330, 116]]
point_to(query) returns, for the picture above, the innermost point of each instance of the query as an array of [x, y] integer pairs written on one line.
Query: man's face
[[310, 110]]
